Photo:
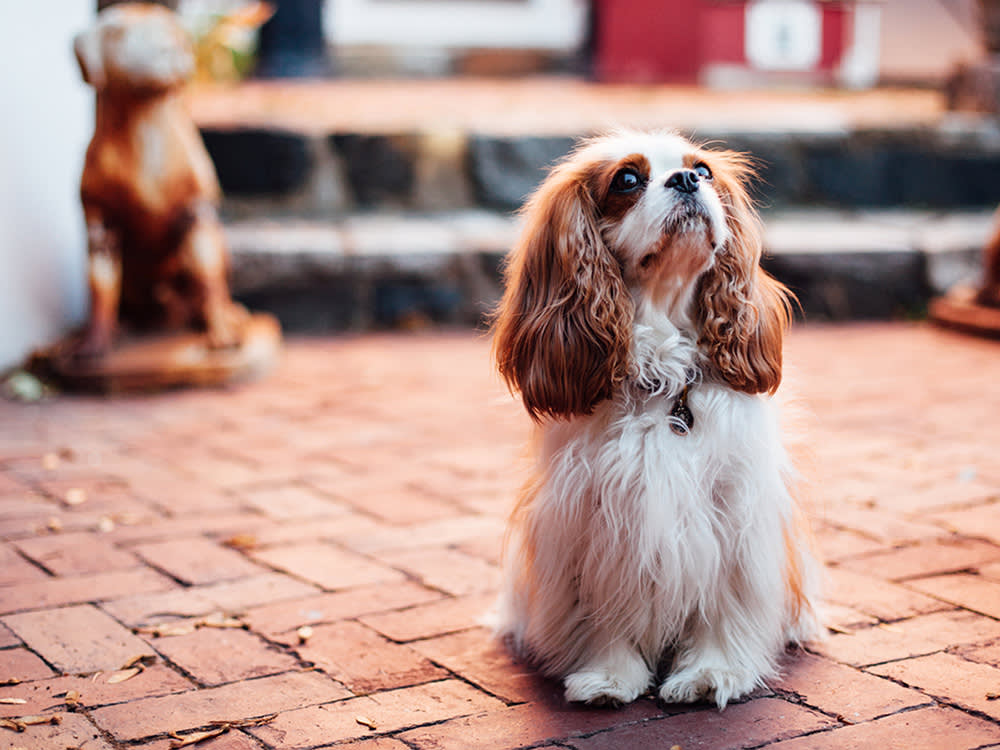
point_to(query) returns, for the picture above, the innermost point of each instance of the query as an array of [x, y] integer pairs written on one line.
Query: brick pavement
[[304, 561]]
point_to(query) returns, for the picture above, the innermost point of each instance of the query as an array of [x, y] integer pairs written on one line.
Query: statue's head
[[138, 48]]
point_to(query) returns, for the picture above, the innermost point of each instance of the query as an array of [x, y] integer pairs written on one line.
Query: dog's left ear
[[744, 312], [90, 56], [562, 332]]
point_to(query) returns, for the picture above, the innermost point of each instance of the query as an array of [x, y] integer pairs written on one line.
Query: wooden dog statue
[[157, 254]]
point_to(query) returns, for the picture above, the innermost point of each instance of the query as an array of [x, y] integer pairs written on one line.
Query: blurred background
[[709, 42], [373, 152]]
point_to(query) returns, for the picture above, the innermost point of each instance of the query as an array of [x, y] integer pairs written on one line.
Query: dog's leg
[[732, 648], [718, 667], [615, 675], [104, 275], [203, 255]]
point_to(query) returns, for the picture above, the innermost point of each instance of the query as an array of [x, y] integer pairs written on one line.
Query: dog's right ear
[[562, 332], [87, 47]]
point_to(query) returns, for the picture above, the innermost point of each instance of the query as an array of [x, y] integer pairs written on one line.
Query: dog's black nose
[[685, 180]]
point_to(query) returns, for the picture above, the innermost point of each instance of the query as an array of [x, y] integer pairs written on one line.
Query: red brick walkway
[[302, 562]]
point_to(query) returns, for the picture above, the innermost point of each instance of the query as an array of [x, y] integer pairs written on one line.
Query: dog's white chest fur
[[640, 544], [660, 519]]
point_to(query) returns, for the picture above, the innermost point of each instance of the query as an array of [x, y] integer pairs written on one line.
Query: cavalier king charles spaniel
[[658, 537]]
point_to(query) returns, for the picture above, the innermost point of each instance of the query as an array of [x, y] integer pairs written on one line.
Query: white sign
[[784, 34]]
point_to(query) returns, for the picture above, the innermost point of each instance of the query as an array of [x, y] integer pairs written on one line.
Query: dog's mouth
[[689, 225], [689, 214]]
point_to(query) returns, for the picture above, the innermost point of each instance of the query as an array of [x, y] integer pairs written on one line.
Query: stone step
[[390, 269], [951, 164]]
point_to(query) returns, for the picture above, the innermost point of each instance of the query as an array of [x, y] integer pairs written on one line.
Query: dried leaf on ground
[[75, 496], [12, 701], [195, 737], [834, 628], [218, 728], [123, 674], [366, 722], [140, 660], [168, 629], [188, 626], [222, 621], [20, 723], [106, 525], [304, 633], [243, 723], [241, 541]]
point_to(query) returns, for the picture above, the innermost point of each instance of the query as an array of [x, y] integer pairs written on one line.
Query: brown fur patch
[[562, 332]]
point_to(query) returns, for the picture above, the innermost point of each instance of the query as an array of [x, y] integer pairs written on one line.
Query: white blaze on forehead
[[664, 151]]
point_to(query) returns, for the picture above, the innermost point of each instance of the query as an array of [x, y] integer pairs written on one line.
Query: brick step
[[391, 269]]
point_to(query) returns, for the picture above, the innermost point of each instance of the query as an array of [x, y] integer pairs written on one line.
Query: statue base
[[959, 310], [156, 362]]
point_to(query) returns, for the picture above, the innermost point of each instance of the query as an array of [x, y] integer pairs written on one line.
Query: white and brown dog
[[658, 537], [157, 254]]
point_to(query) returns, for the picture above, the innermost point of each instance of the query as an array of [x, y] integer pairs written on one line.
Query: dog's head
[[135, 47], [627, 219]]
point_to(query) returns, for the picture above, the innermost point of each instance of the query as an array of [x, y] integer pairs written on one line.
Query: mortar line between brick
[[108, 737], [940, 701], [841, 724], [635, 722], [31, 561], [462, 678], [399, 730], [950, 602], [947, 607]]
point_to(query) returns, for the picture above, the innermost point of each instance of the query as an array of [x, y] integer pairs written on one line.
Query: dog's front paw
[[710, 683], [601, 688]]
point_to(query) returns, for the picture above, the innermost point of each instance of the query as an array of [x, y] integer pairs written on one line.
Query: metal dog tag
[[682, 419]]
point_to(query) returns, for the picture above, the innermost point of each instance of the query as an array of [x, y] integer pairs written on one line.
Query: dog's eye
[[625, 181], [703, 171]]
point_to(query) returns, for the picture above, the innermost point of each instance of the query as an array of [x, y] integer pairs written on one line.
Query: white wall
[[48, 117], [528, 24]]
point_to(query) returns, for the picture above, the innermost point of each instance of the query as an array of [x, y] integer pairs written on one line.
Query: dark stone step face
[[380, 169], [253, 162], [855, 286], [505, 171], [871, 170]]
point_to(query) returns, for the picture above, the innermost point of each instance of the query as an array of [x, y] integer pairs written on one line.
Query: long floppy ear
[[87, 48], [744, 312], [562, 332]]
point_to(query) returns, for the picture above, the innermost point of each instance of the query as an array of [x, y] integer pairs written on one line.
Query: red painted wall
[[723, 33], [648, 40], [672, 40]]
